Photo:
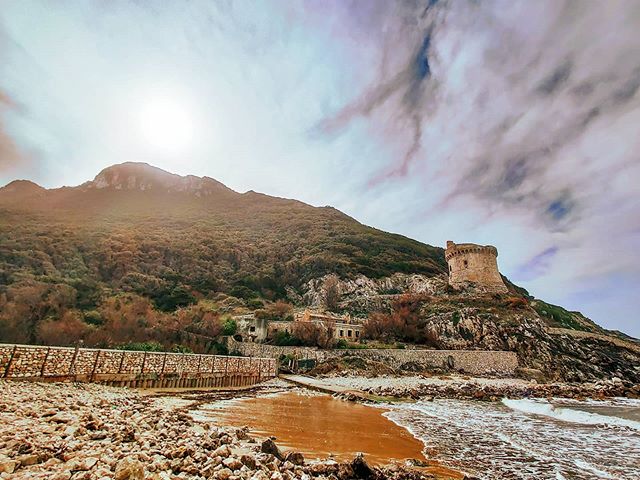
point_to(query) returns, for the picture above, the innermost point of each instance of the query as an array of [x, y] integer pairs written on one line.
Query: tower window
[[466, 263]]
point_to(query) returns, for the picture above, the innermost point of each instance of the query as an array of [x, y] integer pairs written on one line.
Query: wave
[[538, 407]]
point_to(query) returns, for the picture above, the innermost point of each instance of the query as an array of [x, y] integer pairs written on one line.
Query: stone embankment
[[132, 368], [59, 431], [475, 362]]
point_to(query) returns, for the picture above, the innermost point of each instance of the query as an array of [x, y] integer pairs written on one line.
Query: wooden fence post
[[121, 362], [73, 360], [144, 361], [95, 366], [44, 362], [6, 370]]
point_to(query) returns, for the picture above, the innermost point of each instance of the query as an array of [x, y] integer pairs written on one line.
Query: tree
[[331, 289], [68, 330], [314, 334], [402, 324]]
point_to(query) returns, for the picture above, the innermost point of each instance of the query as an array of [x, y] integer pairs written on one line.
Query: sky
[[512, 123]]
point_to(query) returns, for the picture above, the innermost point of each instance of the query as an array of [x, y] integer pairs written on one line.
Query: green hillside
[[172, 241]]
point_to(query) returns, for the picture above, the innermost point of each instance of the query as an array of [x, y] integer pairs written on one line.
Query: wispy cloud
[[515, 123]]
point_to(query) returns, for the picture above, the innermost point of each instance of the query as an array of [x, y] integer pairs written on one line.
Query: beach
[[278, 430]]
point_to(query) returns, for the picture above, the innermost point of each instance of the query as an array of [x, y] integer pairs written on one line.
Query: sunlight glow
[[166, 124]]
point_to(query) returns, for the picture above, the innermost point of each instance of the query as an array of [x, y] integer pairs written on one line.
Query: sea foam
[[544, 408]]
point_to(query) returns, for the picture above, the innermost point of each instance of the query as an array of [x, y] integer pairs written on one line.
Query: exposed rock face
[[363, 294], [144, 177], [474, 319]]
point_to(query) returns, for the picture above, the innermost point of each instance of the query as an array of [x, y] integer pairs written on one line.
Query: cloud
[[522, 112], [512, 123], [10, 155]]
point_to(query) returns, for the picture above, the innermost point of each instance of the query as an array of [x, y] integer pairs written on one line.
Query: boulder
[[8, 466], [224, 474], [129, 468], [269, 446], [294, 457], [249, 461], [361, 468]]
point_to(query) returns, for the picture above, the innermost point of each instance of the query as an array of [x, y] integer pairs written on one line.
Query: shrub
[[314, 334], [93, 317], [142, 346], [181, 349], [402, 324], [285, 339], [229, 327]]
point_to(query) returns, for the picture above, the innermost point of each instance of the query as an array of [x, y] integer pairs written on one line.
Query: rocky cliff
[[471, 319]]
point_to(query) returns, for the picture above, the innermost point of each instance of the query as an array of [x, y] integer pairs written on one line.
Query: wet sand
[[320, 426]]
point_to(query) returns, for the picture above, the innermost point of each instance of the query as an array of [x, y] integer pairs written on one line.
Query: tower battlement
[[477, 264]]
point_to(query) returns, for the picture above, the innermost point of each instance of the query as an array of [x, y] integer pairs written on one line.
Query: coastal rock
[[224, 474], [8, 466], [269, 447], [361, 468], [129, 469], [249, 461], [296, 458]]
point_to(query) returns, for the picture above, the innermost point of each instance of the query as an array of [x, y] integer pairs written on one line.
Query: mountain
[[138, 253]]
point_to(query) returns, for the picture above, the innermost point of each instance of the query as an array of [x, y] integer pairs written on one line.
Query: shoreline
[[82, 431], [461, 387], [67, 431]]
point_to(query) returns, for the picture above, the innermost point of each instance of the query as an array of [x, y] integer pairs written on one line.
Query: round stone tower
[[477, 264]]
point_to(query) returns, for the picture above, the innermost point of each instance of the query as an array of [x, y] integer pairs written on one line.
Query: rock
[[294, 457], [345, 471], [222, 451], [129, 469], [318, 468], [8, 466], [249, 461], [269, 446], [361, 468], [61, 417], [232, 463], [26, 460], [224, 474], [82, 465]]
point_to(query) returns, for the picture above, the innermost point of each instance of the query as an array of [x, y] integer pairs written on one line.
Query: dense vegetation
[[118, 266]]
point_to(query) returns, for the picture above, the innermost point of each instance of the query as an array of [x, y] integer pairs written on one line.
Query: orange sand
[[320, 425]]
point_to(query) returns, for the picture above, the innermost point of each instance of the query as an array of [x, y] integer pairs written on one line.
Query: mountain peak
[[19, 190], [144, 177], [22, 186]]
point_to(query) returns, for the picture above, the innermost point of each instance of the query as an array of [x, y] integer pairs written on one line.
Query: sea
[[529, 439]]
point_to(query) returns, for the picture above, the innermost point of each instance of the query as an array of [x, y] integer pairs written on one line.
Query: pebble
[[93, 432]]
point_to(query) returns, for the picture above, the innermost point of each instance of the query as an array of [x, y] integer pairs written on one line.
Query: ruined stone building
[[252, 329], [474, 264], [345, 327]]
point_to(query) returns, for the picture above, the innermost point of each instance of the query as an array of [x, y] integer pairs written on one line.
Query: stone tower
[[477, 264]]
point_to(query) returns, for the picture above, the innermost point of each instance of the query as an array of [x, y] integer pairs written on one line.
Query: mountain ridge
[[169, 246]]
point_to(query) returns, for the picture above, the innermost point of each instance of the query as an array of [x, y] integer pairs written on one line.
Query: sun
[[166, 124]]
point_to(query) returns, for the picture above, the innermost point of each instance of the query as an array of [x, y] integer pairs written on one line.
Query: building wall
[[474, 263], [477, 362], [113, 366]]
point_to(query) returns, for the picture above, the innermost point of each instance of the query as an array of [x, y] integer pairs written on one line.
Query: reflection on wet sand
[[319, 425]]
